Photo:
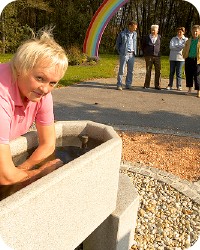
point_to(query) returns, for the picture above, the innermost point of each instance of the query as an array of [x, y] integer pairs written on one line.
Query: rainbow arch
[[98, 24]]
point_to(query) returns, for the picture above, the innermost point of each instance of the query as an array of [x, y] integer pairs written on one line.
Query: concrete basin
[[60, 210]]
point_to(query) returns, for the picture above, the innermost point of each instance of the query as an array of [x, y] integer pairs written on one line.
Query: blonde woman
[[191, 53], [26, 83]]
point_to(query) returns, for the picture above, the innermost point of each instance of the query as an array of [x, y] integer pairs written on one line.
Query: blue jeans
[[175, 66], [128, 59]]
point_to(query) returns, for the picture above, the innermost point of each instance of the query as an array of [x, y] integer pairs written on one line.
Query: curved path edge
[[189, 189]]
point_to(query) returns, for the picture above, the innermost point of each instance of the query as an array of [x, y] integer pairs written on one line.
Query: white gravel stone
[[167, 219]]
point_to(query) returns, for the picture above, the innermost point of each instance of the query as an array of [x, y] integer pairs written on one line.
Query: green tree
[[17, 22]]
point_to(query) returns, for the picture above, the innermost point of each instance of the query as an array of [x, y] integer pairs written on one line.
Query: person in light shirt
[[176, 59], [26, 83]]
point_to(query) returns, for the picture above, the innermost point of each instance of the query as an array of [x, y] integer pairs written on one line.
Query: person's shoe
[[119, 88], [129, 87], [158, 88], [145, 87], [179, 88], [169, 88], [189, 91]]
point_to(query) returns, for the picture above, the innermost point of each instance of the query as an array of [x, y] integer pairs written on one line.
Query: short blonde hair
[[42, 49], [155, 26], [196, 26]]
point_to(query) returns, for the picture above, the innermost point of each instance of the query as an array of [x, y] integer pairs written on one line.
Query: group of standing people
[[183, 51]]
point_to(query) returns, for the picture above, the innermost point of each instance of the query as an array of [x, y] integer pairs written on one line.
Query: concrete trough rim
[[39, 186]]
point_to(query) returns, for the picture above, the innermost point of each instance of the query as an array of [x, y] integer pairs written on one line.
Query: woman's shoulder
[[185, 38], [5, 70], [174, 38], [189, 39], [5, 66], [7, 86]]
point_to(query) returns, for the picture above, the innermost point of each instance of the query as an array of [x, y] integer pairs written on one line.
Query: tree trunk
[[3, 34]]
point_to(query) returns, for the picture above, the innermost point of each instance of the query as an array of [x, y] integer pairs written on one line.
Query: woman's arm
[[9, 174], [47, 138], [174, 44]]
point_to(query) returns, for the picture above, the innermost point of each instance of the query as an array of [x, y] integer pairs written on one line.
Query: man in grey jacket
[[126, 46]]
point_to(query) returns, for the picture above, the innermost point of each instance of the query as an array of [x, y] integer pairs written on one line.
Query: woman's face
[[154, 31], [38, 82], [180, 33], [195, 33]]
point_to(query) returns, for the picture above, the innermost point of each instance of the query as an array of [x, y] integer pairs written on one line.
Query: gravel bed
[[167, 219], [179, 155]]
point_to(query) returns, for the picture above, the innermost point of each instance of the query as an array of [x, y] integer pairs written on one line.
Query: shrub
[[75, 56]]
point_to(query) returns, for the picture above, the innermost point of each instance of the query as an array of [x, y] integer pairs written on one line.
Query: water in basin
[[67, 149]]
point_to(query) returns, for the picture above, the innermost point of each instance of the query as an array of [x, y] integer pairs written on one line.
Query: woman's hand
[[9, 188], [46, 148], [48, 167]]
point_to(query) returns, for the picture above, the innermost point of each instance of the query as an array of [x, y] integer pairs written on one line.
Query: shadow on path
[[113, 116]]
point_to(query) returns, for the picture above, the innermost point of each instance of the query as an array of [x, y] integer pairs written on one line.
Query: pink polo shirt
[[15, 119]]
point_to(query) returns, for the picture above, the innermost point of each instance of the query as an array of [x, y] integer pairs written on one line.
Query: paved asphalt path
[[140, 109]]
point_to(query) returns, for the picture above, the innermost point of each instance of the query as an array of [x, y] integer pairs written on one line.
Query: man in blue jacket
[[126, 46]]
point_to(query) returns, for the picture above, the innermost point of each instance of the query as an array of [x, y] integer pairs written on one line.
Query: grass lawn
[[104, 68], [165, 66], [5, 57]]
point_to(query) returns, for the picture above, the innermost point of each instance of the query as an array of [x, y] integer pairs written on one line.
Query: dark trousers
[[191, 72], [198, 76], [150, 61]]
